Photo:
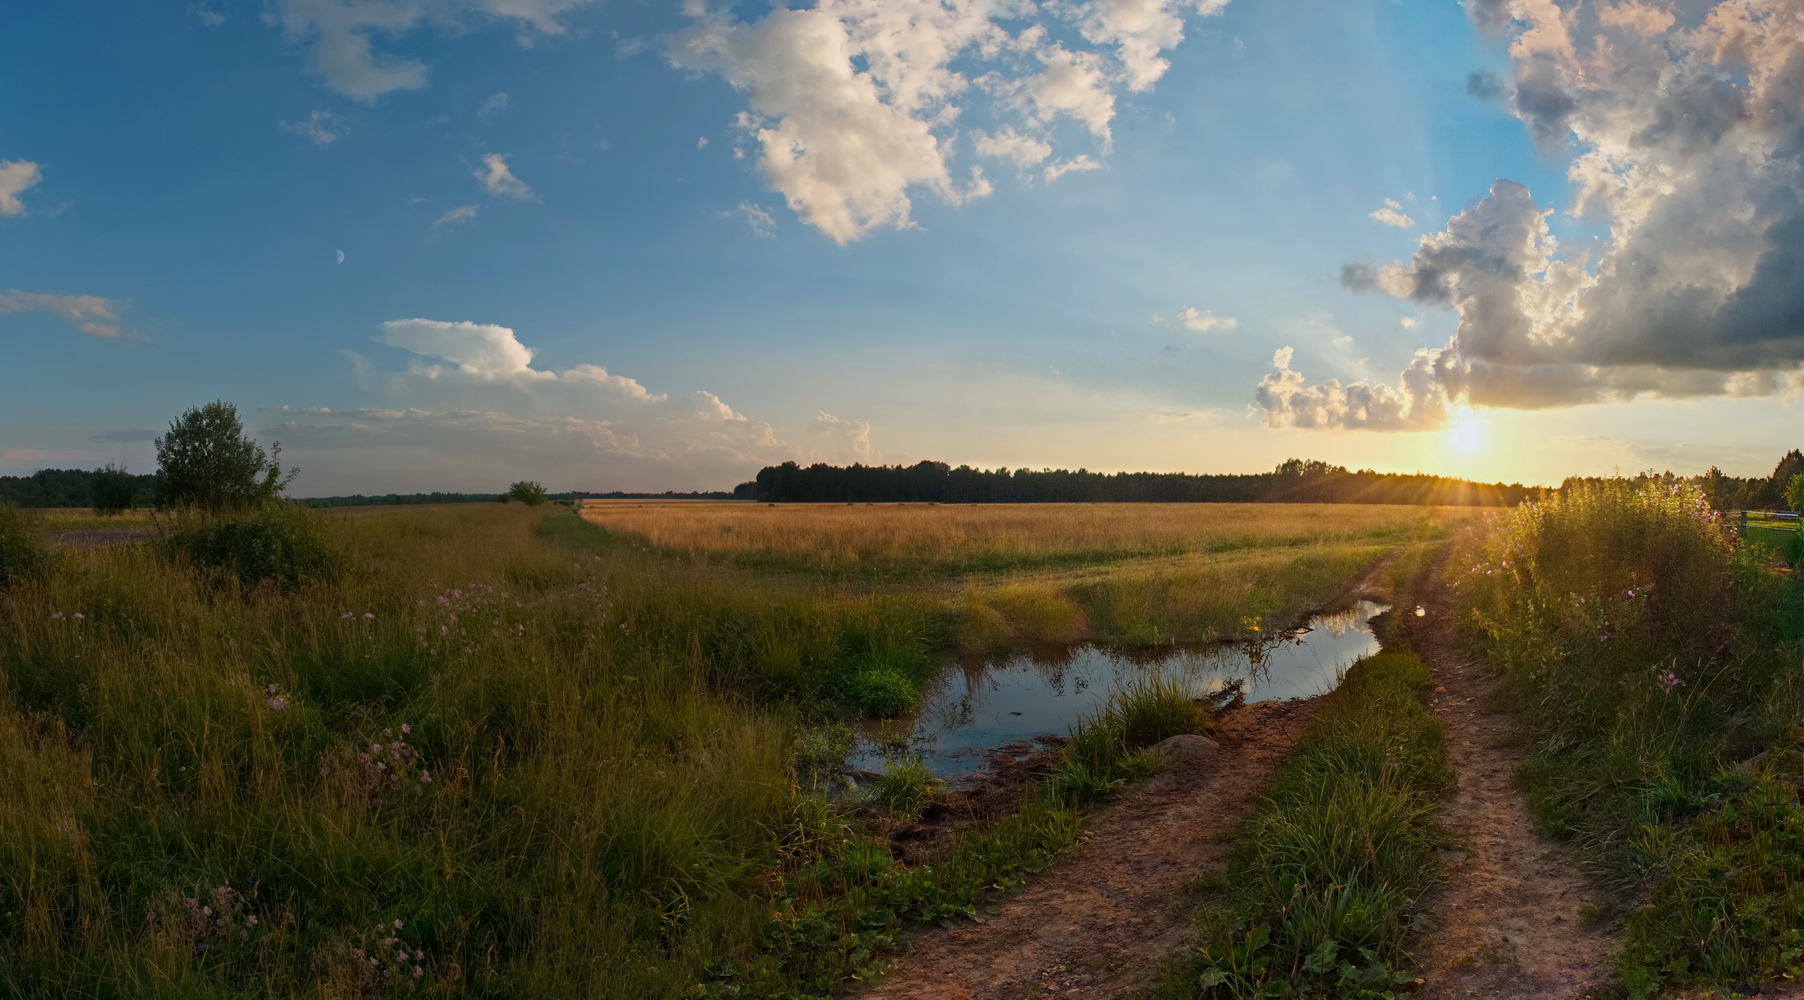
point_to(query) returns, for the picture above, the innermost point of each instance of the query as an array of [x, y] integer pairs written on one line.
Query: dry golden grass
[[995, 537]]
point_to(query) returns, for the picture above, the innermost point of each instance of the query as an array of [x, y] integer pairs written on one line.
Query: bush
[[110, 489], [22, 551], [278, 541], [526, 491]]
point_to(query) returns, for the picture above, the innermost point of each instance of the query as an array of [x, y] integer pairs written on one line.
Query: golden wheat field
[[964, 538]]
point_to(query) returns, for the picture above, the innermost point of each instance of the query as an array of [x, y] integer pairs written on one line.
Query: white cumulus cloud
[[1685, 122], [322, 128], [462, 213], [340, 36], [17, 177], [1391, 214], [761, 221], [853, 104], [470, 407], [853, 435], [91, 314], [499, 179], [1204, 321]]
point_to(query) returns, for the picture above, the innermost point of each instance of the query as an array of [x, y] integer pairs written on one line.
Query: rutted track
[[1099, 923], [1509, 919]]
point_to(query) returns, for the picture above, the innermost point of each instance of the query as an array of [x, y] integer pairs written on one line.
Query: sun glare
[[1468, 432]]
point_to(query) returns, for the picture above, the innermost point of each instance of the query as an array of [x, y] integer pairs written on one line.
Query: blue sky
[[1173, 198]]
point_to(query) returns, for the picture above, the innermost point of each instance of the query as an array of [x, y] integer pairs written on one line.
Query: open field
[[534, 757], [938, 540]]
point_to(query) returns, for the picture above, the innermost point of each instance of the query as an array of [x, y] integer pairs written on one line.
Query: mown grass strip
[[1327, 881]]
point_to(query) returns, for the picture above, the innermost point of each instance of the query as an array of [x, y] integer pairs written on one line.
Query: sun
[[1467, 434]]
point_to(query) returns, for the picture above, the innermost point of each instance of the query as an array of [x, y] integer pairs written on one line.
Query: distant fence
[[1742, 516]]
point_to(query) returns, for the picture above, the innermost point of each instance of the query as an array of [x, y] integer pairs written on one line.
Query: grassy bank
[[536, 758], [1323, 889], [1654, 657]]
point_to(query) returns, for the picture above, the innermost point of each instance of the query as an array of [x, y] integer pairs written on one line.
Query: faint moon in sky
[[341, 256]]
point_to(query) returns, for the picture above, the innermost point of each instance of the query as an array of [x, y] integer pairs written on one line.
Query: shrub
[[526, 491], [279, 542], [110, 489], [22, 551]]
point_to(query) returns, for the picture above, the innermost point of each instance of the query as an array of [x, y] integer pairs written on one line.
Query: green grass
[[1326, 883], [1650, 652], [623, 797]]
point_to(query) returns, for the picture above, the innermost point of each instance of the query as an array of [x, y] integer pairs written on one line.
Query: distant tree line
[[387, 499], [1293, 481], [1730, 492], [73, 488]]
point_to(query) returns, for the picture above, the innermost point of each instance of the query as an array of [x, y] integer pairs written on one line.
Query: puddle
[[974, 707]]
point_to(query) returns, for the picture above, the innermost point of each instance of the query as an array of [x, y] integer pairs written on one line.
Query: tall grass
[[1323, 890], [22, 552], [1651, 653]]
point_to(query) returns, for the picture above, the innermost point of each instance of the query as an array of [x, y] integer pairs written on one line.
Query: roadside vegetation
[[1327, 883], [1653, 656]]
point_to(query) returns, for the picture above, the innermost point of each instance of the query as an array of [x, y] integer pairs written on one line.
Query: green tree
[[1794, 493], [205, 461], [527, 492], [110, 489]]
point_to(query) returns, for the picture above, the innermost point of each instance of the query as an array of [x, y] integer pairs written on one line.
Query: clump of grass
[[276, 541], [1324, 887], [1649, 651], [22, 552], [905, 786], [1109, 748]]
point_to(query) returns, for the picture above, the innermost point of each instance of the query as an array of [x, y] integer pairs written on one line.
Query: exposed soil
[[1008, 769], [1100, 922], [1508, 921]]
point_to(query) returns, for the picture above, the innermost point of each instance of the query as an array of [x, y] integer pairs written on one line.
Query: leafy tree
[[111, 488], [205, 461], [527, 492], [1794, 493]]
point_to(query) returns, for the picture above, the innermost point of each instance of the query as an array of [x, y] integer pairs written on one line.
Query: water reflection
[[979, 705]]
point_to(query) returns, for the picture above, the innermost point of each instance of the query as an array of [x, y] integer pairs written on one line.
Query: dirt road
[[1509, 919], [1100, 922]]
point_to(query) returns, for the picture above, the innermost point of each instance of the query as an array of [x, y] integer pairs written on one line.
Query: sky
[[648, 245]]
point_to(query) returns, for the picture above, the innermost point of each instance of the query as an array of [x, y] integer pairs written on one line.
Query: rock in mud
[[1188, 750]]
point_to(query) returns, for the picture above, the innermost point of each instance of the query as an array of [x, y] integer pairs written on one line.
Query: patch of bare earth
[[1099, 923], [1508, 921]]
